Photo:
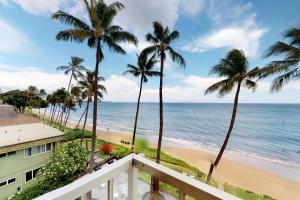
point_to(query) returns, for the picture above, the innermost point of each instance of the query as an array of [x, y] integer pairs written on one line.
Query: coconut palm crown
[[234, 68], [288, 68]]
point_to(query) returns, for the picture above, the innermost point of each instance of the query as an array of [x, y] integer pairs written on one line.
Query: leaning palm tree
[[143, 70], [235, 70], [161, 40], [288, 68], [98, 32], [74, 68], [86, 85]]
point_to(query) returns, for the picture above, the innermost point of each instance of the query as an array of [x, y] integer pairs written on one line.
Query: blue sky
[[29, 53]]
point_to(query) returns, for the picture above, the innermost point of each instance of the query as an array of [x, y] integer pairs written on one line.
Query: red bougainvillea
[[107, 148]]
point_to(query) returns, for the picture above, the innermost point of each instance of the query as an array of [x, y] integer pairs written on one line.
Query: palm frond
[[294, 35], [70, 19], [76, 35], [280, 81], [150, 38], [249, 84], [176, 57], [158, 30], [124, 36], [216, 86]]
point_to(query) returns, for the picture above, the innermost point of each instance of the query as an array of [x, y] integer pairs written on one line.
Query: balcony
[[130, 165]]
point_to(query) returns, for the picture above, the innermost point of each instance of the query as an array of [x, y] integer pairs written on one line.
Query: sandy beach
[[229, 171]]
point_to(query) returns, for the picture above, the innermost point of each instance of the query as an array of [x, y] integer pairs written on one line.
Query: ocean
[[269, 132]]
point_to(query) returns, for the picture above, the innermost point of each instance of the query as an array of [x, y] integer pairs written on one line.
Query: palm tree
[[235, 68], [161, 40], [100, 31], [143, 70], [74, 68], [87, 88], [288, 68]]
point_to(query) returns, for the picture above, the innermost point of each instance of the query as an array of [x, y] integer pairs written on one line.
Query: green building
[[24, 149]]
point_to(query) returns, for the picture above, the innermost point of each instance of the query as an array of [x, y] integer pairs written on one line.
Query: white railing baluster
[[110, 189], [132, 183]]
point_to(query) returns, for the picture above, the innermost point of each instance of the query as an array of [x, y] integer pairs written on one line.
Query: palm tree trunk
[[65, 101], [67, 118], [137, 113], [234, 111], [85, 119], [155, 180], [83, 114], [94, 130], [94, 136], [45, 114], [58, 114], [53, 113], [39, 112]]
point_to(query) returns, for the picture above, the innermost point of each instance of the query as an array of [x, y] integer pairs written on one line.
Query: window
[[48, 147], [2, 155], [3, 184], [11, 153], [28, 176], [10, 181], [31, 175], [31, 151]]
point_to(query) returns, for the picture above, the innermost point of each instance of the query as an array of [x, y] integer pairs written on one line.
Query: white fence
[[131, 163]]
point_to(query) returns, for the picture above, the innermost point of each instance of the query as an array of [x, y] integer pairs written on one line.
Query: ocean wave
[[212, 148]]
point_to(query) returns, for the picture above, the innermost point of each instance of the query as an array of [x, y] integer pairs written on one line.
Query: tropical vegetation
[[98, 32], [234, 68], [144, 70], [288, 67]]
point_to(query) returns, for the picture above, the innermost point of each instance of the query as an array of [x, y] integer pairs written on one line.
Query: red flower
[[107, 148]]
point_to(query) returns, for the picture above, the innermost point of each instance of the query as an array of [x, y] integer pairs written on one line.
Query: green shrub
[[61, 169]]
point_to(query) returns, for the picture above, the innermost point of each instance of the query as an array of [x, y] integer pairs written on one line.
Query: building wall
[[15, 166]]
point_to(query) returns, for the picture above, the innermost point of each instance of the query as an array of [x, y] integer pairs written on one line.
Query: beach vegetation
[[288, 67], [98, 32], [234, 67], [75, 69], [144, 70], [161, 41], [86, 84]]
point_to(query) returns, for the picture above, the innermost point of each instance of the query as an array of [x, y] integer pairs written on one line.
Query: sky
[[29, 53]]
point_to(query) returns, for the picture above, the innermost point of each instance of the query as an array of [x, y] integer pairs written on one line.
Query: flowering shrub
[[61, 169], [66, 162], [107, 148]]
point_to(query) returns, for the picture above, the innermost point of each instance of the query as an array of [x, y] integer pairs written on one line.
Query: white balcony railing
[[131, 164]]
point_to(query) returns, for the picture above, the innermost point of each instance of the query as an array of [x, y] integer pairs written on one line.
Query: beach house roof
[[7, 112], [28, 134]]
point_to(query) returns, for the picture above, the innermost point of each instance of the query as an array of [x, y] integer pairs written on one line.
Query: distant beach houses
[[24, 149]]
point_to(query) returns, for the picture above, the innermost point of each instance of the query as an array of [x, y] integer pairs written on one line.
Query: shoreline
[[232, 169]]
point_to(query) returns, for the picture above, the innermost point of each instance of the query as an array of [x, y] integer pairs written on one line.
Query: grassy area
[[166, 160]]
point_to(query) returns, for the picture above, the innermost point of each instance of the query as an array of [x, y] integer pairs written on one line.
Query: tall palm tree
[[161, 40], [288, 68], [235, 68], [98, 32], [143, 70], [86, 85], [74, 68]]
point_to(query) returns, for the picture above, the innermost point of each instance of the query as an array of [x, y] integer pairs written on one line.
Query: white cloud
[[20, 78], [191, 7], [244, 36], [12, 40], [40, 7], [123, 89], [235, 27]]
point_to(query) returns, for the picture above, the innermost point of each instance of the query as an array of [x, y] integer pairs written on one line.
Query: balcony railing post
[[181, 195], [110, 189], [132, 183]]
